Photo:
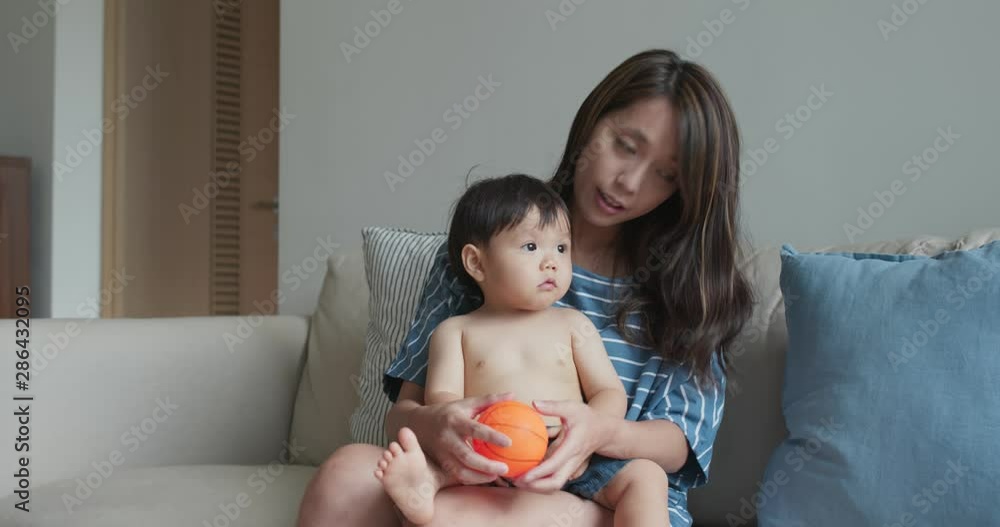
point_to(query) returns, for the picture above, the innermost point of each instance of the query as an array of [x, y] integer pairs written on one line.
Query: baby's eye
[[529, 246], [561, 248]]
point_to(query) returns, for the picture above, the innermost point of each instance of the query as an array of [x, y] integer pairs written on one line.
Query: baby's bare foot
[[407, 478]]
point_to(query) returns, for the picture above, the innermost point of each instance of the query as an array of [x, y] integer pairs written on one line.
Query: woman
[[651, 176]]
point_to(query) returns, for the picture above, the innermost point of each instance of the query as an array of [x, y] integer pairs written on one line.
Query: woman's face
[[628, 167]]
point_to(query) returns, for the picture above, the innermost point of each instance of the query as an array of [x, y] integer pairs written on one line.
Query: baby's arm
[[599, 381], [445, 364]]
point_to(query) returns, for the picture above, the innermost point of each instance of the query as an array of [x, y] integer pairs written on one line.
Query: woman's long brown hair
[[684, 253]]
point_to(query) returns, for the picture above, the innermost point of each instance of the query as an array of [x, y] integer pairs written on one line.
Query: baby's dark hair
[[493, 205]]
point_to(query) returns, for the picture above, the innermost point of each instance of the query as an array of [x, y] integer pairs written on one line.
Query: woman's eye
[[625, 146], [529, 246]]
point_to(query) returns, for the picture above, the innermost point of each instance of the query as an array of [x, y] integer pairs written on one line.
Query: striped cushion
[[396, 264]]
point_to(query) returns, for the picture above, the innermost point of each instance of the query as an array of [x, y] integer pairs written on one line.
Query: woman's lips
[[606, 205]]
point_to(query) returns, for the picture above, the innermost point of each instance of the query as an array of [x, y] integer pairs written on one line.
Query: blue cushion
[[892, 391]]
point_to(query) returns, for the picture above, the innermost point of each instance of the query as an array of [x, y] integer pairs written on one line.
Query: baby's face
[[528, 267]]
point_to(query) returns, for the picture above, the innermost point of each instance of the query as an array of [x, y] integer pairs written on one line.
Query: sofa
[[188, 421]]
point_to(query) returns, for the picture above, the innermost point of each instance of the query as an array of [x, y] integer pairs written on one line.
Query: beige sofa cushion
[[329, 389], [194, 496]]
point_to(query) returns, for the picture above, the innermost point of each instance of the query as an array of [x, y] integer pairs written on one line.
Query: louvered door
[[226, 210], [185, 171]]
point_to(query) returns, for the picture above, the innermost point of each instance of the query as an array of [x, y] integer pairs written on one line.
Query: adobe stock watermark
[[795, 460], [90, 310], [929, 328], [364, 35], [569, 518], [131, 439], [787, 126], [714, 28], [230, 511], [30, 26], [455, 115], [900, 15], [121, 106], [915, 167], [224, 7], [294, 277], [248, 148], [754, 331], [564, 10], [926, 498]]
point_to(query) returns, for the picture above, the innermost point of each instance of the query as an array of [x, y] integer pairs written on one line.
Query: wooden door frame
[[112, 160]]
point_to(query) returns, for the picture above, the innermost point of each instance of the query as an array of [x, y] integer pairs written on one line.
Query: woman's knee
[[347, 467], [344, 479]]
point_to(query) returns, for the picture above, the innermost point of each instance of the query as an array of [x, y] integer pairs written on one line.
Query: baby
[[510, 236]]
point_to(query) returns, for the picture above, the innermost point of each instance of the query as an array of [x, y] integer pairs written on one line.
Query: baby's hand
[[553, 430]]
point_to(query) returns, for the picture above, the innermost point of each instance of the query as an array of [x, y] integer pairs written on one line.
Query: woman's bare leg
[[345, 493], [502, 507]]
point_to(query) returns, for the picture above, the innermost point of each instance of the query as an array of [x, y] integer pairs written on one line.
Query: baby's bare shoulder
[[453, 323], [569, 316]]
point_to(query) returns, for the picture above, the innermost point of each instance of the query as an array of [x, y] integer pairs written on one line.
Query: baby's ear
[[472, 260]]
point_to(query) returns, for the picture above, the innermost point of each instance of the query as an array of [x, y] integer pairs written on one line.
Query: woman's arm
[[411, 397], [657, 440], [677, 432]]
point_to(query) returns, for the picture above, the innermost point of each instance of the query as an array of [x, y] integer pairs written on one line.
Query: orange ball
[[526, 430]]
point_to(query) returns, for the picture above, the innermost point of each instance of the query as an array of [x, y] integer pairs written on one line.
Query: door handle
[[271, 205]]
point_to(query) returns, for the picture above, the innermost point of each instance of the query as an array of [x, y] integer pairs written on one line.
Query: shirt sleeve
[[697, 410], [442, 296]]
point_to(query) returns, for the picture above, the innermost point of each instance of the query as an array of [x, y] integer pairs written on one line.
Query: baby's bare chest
[[534, 350]]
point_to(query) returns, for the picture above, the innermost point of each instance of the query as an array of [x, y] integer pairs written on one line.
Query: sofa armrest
[[155, 391]]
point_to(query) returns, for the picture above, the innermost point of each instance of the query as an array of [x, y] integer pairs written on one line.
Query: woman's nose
[[630, 178]]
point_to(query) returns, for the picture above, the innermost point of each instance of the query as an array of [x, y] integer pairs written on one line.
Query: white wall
[[77, 138], [53, 67], [890, 96]]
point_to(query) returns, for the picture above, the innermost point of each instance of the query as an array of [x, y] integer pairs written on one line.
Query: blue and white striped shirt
[[656, 389]]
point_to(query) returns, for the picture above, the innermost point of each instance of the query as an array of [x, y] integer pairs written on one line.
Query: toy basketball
[[526, 430]]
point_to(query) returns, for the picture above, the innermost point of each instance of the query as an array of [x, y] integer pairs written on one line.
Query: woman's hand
[[583, 432], [444, 430]]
